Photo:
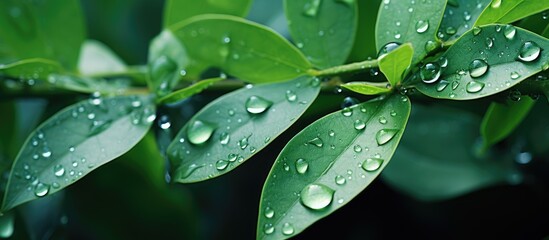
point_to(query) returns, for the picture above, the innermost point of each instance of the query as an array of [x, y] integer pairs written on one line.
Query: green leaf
[[87, 84], [189, 91], [501, 120], [459, 17], [501, 11], [435, 159], [74, 142], [499, 48], [396, 62], [234, 127], [96, 57], [329, 163], [404, 22], [34, 68], [323, 30], [179, 10], [240, 48], [51, 29], [364, 43], [365, 88]]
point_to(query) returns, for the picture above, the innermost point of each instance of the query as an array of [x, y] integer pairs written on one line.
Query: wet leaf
[[502, 11], [395, 63], [459, 17], [189, 91], [34, 68], [365, 88]]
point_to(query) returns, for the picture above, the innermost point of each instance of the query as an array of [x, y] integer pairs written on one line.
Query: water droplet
[[199, 132], [164, 122], [287, 229], [489, 43], [383, 136], [347, 112], [442, 85], [221, 164], [509, 31], [474, 87], [331, 133], [162, 70], [46, 152], [340, 180], [524, 158], [58, 170], [372, 164], [422, 26], [257, 105], [455, 85], [311, 8], [349, 101], [529, 51], [515, 75], [41, 189], [387, 49], [359, 124], [269, 212], [301, 165], [430, 72], [478, 68], [476, 31], [268, 228], [243, 143], [291, 96], [430, 46], [495, 4], [451, 30], [224, 138], [382, 120], [95, 99], [443, 62], [286, 167], [316, 142], [316, 196], [357, 148]]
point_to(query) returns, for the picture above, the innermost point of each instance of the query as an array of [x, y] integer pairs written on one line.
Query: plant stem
[[352, 67]]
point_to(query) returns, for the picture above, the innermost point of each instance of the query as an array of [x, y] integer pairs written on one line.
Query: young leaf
[[365, 88], [501, 119], [96, 57], [179, 10], [435, 160], [189, 91], [459, 17], [396, 62], [241, 48], [501, 11], [328, 163], [234, 127], [484, 61], [34, 68], [52, 29], [323, 30], [74, 142], [404, 22]]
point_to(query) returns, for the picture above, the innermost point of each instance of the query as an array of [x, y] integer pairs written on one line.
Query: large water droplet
[[387, 49], [478, 68], [359, 124], [199, 132], [301, 165], [316, 196], [269, 212], [422, 26], [372, 164], [529, 51], [474, 87], [268, 228], [41, 189], [257, 105], [58, 170], [311, 8], [287, 229], [430, 72], [316, 142], [509, 31], [383, 136]]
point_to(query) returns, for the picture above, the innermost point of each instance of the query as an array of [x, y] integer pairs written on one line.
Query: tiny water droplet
[[509, 31], [372, 164], [383, 136], [268, 228], [387, 48], [301, 165], [443, 62], [46, 152], [257, 105], [529, 51], [430, 46], [357, 148], [478, 68], [476, 31], [291, 96], [347, 112], [224, 138], [451, 30], [316, 142], [287, 229], [442, 85], [221, 164], [58, 170], [393, 113], [331, 133], [474, 87], [316, 196], [430, 72], [41, 189], [515, 75], [243, 143], [496, 3], [286, 167], [340, 180], [489, 42], [199, 132], [359, 124], [455, 85], [382, 120], [232, 157], [422, 26], [311, 8], [269, 212]]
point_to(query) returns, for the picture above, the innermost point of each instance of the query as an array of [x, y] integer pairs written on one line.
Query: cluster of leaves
[[456, 49]]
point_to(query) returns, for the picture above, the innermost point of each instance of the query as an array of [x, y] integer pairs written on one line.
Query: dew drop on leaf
[[257, 105], [382, 120], [41, 189], [232, 157], [515, 75], [359, 124], [474, 87], [430, 72], [316, 196], [199, 132], [243, 143], [268, 228], [301, 165], [6, 226], [291, 96], [442, 85], [221, 164], [311, 8], [287, 229], [478, 68], [509, 31], [340, 180], [316, 142], [430, 46], [269, 212], [357, 148], [387, 48], [58, 170], [495, 4], [529, 51], [224, 138], [451, 30], [46, 152], [383, 136], [347, 112], [372, 164], [476, 31], [422, 26]]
